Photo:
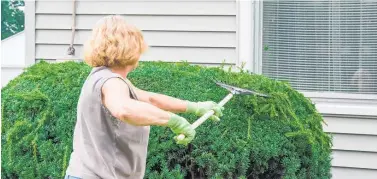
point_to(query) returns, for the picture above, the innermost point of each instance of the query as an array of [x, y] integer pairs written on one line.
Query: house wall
[[202, 32], [352, 121], [8, 73], [12, 57], [13, 50], [205, 32]]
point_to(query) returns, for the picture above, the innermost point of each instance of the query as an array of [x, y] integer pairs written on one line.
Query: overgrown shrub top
[[257, 137]]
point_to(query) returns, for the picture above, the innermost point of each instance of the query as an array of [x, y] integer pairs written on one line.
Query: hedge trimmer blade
[[233, 91], [236, 90]]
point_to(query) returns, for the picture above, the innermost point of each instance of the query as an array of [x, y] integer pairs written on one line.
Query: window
[[321, 45]]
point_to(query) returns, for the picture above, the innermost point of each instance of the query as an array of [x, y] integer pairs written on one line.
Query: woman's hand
[[180, 125], [200, 108]]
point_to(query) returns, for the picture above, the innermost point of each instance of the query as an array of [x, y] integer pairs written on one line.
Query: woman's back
[[102, 143]]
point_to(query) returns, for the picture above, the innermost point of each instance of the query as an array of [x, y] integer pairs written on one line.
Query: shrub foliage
[[277, 137]]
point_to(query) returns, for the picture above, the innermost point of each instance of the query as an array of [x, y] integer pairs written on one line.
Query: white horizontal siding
[[349, 125], [171, 54], [139, 7], [352, 121], [354, 159], [352, 173], [194, 31], [153, 38], [355, 142], [145, 22]]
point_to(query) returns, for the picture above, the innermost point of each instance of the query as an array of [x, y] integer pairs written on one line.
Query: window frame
[[250, 36]]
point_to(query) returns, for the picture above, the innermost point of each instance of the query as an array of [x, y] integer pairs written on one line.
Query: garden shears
[[233, 91]]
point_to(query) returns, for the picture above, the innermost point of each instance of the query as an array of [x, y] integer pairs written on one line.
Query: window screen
[[321, 45]]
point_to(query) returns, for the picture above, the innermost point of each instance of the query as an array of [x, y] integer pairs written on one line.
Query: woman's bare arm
[[115, 96]]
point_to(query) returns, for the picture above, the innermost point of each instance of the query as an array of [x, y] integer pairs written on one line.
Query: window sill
[[344, 104], [338, 95]]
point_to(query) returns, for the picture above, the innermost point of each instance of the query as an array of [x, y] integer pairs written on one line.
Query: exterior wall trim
[[245, 37], [337, 95], [29, 32]]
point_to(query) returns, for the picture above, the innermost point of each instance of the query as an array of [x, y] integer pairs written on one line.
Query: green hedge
[[277, 137]]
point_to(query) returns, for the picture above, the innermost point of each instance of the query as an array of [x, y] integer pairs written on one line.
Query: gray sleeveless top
[[105, 147]]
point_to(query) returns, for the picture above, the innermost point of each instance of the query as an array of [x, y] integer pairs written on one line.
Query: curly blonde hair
[[114, 43]]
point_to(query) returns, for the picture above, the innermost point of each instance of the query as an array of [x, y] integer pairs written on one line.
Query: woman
[[113, 116]]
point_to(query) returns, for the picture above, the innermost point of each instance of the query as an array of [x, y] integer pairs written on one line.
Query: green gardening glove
[[180, 125], [200, 108]]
